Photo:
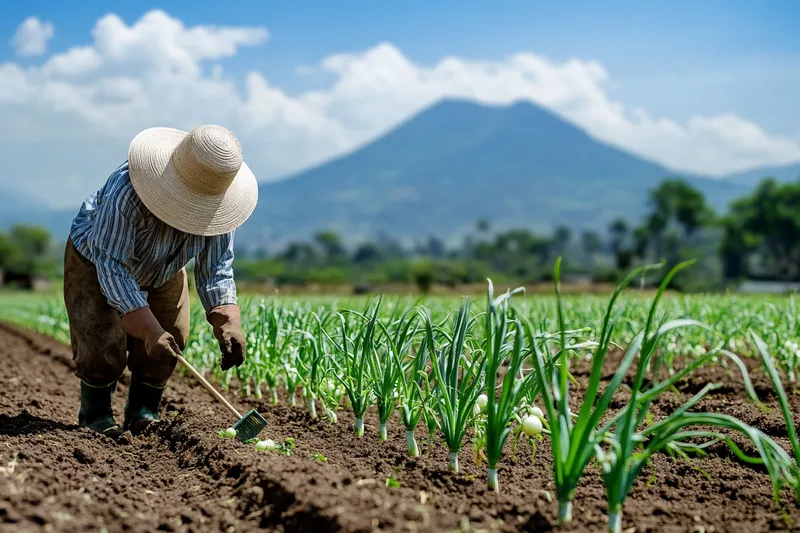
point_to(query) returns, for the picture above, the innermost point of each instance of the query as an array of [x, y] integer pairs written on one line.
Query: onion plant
[[517, 389], [497, 349], [312, 363], [386, 365], [478, 436], [574, 442], [673, 435], [431, 415], [353, 370], [532, 429], [792, 477], [277, 346], [412, 383], [332, 398], [780, 327], [622, 449], [458, 384], [308, 363], [291, 373]]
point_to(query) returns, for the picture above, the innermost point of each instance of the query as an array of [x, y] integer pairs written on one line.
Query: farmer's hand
[[161, 345], [227, 323], [142, 324]]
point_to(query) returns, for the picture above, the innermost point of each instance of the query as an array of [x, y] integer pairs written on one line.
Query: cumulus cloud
[[82, 106], [32, 36]]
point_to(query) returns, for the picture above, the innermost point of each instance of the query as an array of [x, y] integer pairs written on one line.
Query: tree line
[[759, 237]]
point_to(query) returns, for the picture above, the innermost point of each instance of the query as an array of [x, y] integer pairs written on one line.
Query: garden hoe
[[248, 426]]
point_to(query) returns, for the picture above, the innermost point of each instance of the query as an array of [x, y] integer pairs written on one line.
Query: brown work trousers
[[99, 344]]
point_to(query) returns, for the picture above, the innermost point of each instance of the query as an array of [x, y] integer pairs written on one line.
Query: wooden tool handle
[[208, 386]]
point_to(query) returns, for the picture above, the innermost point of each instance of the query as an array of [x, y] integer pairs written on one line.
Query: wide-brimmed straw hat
[[193, 181]]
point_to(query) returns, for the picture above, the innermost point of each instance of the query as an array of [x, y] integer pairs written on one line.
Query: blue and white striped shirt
[[131, 248]]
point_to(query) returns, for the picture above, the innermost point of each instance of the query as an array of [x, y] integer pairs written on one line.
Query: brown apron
[[99, 344]]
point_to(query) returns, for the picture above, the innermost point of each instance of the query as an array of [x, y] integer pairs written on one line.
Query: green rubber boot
[[95, 412], [142, 407]]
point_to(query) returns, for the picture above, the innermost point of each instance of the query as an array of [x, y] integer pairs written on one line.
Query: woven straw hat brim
[[156, 181]]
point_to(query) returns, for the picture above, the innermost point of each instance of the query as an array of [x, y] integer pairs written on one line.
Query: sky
[[704, 87]]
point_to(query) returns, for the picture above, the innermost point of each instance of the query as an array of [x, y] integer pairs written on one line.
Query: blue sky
[[675, 58], [707, 86]]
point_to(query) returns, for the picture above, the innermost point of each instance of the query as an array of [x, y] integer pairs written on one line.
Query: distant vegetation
[[27, 251], [759, 237]]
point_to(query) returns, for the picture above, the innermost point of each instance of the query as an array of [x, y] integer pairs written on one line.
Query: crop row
[[501, 370]]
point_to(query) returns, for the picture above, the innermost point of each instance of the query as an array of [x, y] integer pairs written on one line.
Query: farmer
[[178, 197]]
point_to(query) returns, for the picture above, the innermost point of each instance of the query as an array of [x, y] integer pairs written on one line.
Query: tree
[[561, 239], [422, 273], [299, 252], [330, 244], [25, 250], [768, 222], [34, 241], [591, 242], [434, 247], [733, 249], [619, 232], [367, 252], [641, 241], [675, 206], [10, 253], [391, 248]]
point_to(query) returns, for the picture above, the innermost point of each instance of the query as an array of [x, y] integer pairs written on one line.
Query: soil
[[179, 476]]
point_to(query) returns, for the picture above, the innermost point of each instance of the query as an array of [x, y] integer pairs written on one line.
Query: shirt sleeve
[[112, 245], [213, 271]]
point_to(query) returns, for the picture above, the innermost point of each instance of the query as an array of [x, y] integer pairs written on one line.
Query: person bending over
[[179, 196]]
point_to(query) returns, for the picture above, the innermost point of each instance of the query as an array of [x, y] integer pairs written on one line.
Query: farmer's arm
[[214, 273], [112, 246], [217, 291]]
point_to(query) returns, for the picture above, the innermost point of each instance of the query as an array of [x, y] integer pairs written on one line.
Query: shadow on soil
[[28, 424]]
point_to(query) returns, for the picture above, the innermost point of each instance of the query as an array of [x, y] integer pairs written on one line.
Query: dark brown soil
[[180, 476]]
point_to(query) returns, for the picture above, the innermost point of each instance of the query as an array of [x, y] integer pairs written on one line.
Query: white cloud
[[81, 107], [32, 37]]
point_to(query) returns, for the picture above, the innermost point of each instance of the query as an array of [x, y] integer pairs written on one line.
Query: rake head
[[249, 426]]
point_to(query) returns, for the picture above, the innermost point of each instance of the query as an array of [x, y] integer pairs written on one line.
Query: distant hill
[[447, 167], [751, 178], [457, 162], [18, 208]]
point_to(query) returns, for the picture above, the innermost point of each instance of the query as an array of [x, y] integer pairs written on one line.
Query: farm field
[[343, 381]]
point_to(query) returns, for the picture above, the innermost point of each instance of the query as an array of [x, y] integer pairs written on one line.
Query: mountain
[[19, 208], [14, 203], [752, 177], [457, 162], [447, 167]]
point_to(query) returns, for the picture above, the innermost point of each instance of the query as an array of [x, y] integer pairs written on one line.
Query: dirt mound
[[55, 476]]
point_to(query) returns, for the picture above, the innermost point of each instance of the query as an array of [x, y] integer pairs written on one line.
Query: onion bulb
[[482, 401], [531, 425], [265, 445]]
